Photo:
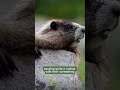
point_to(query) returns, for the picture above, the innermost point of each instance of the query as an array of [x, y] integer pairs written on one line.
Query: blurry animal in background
[[17, 35], [102, 17], [17, 42]]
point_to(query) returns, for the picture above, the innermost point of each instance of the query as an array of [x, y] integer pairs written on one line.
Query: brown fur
[[17, 36], [60, 39], [17, 30], [101, 18]]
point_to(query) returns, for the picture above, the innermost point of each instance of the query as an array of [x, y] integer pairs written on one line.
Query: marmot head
[[59, 34], [102, 18]]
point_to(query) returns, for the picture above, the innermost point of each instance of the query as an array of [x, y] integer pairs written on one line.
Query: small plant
[[52, 84]]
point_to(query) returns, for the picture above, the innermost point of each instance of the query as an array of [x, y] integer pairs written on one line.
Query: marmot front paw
[[37, 53]]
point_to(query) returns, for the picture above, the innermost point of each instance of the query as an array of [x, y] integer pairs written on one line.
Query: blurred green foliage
[[68, 9], [81, 69]]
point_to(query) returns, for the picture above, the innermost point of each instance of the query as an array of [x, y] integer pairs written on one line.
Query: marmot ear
[[53, 25]]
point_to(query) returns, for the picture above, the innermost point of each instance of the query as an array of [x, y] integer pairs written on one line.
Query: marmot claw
[[37, 53]]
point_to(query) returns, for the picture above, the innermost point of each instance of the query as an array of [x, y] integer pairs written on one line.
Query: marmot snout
[[79, 32]]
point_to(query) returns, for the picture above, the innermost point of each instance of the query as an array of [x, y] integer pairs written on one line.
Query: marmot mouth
[[78, 39], [81, 37]]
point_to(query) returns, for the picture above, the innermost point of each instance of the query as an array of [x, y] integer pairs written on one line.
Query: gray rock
[[62, 81]]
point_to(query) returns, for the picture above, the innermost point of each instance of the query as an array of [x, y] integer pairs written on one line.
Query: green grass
[[81, 69]]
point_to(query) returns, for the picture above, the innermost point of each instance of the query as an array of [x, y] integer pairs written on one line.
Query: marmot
[[102, 17], [60, 34], [17, 35]]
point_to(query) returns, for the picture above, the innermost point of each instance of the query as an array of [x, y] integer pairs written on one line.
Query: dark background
[[113, 48], [6, 5], [25, 78]]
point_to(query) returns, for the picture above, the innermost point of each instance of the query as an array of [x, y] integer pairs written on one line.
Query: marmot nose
[[83, 30]]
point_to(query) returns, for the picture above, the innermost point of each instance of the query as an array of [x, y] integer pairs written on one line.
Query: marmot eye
[[53, 25], [68, 27]]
